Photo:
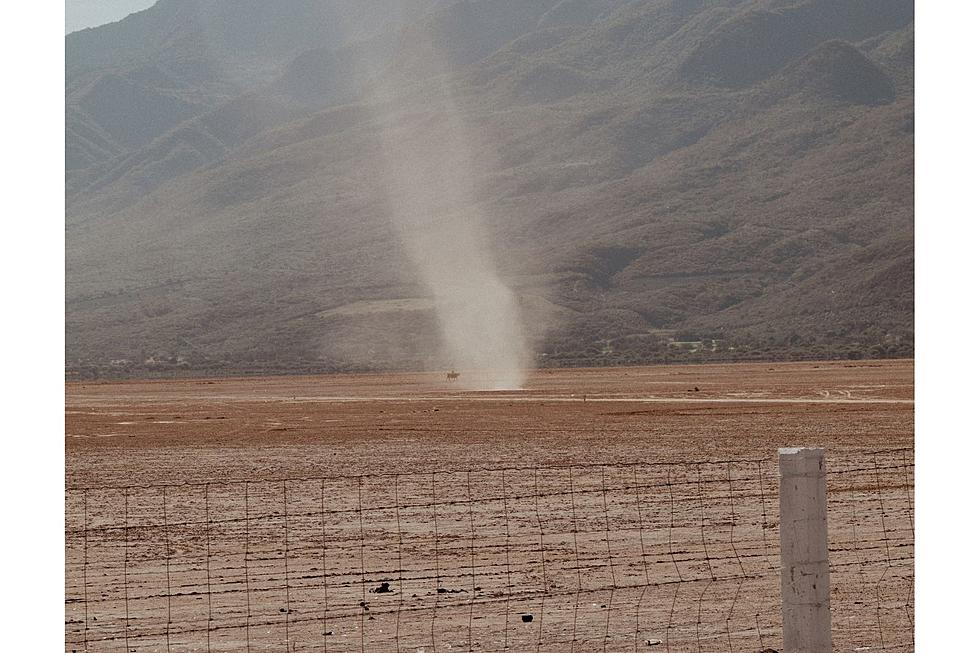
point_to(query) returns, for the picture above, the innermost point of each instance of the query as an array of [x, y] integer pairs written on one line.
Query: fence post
[[803, 545]]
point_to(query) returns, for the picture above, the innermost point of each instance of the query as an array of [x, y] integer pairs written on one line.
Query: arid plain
[[253, 428], [597, 509]]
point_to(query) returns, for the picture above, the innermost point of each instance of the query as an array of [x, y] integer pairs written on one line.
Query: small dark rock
[[527, 618], [384, 588]]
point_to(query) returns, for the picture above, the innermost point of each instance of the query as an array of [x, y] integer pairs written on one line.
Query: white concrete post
[[803, 542]]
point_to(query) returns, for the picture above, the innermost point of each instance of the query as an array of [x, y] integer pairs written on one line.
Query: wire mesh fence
[[611, 557], [871, 532]]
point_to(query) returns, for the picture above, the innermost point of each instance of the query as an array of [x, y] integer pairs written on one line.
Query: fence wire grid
[[603, 557]]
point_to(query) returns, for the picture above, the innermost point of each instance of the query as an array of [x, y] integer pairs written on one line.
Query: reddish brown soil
[[606, 556], [299, 426]]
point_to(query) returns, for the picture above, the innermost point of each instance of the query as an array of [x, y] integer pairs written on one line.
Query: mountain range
[[660, 179]]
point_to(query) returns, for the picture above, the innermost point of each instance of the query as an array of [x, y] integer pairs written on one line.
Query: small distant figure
[[452, 375]]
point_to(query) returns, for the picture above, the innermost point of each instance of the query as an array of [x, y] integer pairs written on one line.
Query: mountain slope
[[651, 172], [196, 55]]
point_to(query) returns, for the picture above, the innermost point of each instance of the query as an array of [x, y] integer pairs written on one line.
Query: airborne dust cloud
[[429, 183]]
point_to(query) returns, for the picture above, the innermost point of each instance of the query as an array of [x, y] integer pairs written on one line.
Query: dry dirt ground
[[617, 508], [194, 430]]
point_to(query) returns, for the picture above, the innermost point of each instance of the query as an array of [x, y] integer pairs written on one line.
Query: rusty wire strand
[[688, 548]]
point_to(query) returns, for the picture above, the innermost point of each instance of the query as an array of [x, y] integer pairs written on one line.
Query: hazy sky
[[80, 14]]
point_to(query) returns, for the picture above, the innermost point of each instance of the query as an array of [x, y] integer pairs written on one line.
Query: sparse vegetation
[[641, 176]]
